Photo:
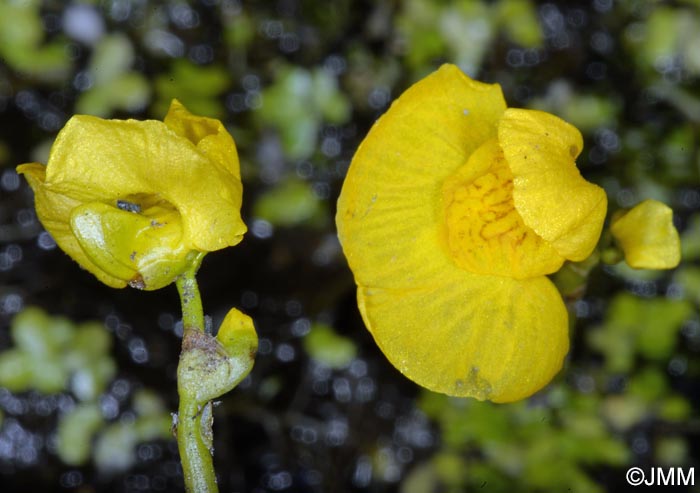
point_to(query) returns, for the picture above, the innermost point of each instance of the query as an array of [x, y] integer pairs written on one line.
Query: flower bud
[[647, 236]]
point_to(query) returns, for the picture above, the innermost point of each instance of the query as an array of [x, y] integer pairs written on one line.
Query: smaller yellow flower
[[647, 236], [133, 201]]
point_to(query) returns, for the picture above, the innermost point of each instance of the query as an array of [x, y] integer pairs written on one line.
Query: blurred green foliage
[[296, 105], [325, 346], [22, 47], [194, 86], [521, 447], [83, 433], [53, 355], [669, 34], [291, 203], [587, 112], [113, 85], [648, 327], [76, 431], [463, 31], [115, 448]]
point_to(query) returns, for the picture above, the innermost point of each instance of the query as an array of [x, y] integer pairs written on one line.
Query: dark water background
[[626, 73]]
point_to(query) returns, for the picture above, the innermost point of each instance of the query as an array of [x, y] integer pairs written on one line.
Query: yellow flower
[[133, 201], [647, 236], [453, 211]]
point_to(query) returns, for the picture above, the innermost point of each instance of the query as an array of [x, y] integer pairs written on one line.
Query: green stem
[[197, 463], [192, 313]]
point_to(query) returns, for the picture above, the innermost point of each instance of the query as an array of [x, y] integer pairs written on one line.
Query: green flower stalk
[[208, 368]]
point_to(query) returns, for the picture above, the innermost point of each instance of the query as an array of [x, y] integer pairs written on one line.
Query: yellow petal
[[53, 210], [105, 160], [208, 134], [485, 234], [486, 337], [549, 192], [391, 202], [648, 237]]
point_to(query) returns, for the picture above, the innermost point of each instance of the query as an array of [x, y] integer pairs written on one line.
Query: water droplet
[[285, 352], [83, 23], [301, 327], [45, 241], [262, 229], [9, 180], [138, 350]]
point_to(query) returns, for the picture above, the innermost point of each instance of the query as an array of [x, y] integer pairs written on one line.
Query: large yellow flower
[[454, 210], [133, 201]]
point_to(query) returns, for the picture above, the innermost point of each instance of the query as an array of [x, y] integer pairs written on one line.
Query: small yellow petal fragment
[[469, 335], [549, 192], [648, 237]]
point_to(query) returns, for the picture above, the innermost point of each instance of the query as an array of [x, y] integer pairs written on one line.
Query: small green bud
[[211, 366]]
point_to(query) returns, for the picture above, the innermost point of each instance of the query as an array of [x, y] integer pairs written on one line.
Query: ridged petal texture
[[450, 272], [485, 232], [486, 337], [180, 177]]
